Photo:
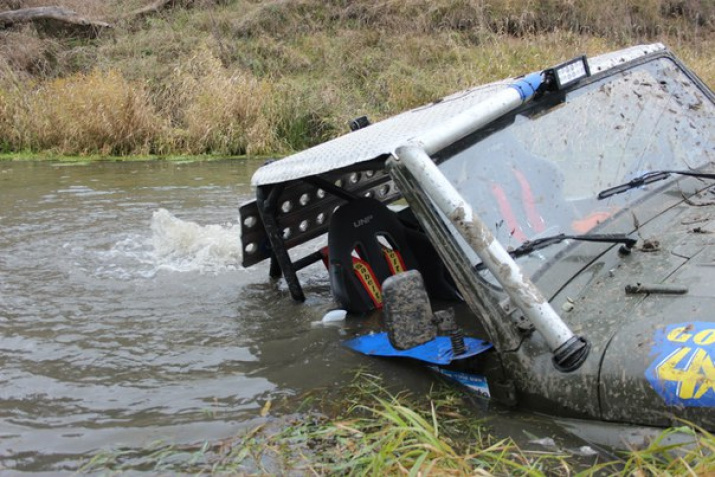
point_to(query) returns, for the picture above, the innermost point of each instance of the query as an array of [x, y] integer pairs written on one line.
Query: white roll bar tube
[[468, 121], [569, 350]]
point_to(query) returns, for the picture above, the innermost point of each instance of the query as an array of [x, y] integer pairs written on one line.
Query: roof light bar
[[568, 73]]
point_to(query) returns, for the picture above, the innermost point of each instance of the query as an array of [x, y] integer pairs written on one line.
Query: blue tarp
[[437, 351]]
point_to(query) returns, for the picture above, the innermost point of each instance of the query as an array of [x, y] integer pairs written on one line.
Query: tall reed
[[371, 431]]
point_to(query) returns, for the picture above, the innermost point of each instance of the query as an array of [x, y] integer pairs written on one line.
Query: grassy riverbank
[[372, 432], [245, 77], [50, 156]]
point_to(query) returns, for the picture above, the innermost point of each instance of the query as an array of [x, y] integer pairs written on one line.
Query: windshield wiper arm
[[531, 245], [537, 244], [647, 178]]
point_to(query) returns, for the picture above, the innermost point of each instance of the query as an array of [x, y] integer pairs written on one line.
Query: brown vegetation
[[246, 76], [55, 21]]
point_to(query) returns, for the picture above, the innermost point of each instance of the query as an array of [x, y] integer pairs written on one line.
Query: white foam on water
[[174, 245], [186, 246]]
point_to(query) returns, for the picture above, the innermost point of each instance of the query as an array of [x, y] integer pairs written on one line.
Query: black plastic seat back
[[365, 232]]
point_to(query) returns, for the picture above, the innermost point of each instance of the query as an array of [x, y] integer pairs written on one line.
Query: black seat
[[367, 243]]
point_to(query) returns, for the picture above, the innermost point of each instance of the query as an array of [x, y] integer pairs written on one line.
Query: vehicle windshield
[[540, 173]]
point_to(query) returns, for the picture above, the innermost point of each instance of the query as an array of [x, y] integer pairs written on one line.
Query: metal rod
[[472, 119], [308, 260], [523, 293], [339, 192], [267, 202]]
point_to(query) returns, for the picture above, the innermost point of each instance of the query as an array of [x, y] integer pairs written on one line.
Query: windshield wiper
[[531, 245], [647, 178], [537, 244]]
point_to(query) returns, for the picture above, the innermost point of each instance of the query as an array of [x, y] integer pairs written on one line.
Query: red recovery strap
[[533, 218]]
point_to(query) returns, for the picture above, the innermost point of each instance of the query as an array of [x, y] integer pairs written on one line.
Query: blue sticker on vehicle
[[474, 382], [683, 371]]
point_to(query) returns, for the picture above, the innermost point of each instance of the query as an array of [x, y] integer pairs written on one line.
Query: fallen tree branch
[[155, 7], [54, 21]]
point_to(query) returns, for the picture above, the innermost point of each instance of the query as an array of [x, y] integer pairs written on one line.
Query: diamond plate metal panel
[[373, 141]]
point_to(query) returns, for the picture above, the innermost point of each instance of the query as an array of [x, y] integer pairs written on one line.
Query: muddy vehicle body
[[572, 210]]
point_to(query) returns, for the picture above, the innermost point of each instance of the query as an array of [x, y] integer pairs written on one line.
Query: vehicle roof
[[384, 137]]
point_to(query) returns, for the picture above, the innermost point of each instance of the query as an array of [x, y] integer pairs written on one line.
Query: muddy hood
[[661, 360], [653, 352]]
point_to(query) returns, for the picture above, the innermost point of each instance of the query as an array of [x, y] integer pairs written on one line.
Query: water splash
[[186, 246], [175, 245]]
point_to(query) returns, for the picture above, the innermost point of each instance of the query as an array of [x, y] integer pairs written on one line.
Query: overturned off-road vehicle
[[572, 210]]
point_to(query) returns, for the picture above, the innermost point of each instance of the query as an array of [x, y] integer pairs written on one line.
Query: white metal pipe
[[468, 121], [523, 293]]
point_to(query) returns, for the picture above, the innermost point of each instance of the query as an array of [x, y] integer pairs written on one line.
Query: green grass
[[271, 77], [49, 157], [369, 431]]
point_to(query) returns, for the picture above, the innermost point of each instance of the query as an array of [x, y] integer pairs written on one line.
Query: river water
[[126, 317]]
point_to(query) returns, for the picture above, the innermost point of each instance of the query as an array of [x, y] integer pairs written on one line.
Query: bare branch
[[156, 7], [54, 20]]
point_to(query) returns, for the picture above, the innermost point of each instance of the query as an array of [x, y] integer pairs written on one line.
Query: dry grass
[[243, 76], [625, 19], [96, 112], [220, 111], [89, 8]]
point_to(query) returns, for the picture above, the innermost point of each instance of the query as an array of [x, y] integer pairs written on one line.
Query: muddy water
[[126, 318]]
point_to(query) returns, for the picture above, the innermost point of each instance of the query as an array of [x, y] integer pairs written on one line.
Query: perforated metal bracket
[[289, 214]]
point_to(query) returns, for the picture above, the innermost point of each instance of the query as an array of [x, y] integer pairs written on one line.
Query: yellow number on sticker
[[698, 376]]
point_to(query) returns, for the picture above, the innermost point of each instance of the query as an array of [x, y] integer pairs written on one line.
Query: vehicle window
[[540, 175]]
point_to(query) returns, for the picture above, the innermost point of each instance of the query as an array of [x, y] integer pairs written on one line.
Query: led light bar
[[570, 72]]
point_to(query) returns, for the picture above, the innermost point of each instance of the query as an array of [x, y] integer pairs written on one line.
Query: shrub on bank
[[219, 111], [98, 112], [209, 110]]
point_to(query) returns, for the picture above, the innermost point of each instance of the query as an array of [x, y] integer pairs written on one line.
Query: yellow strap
[[394, 260]]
